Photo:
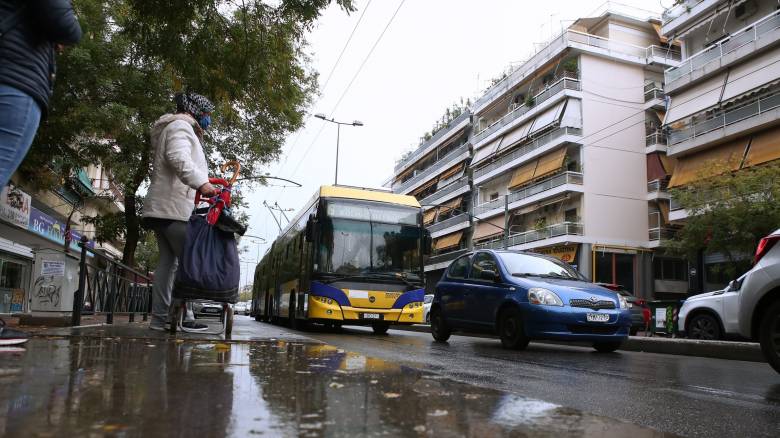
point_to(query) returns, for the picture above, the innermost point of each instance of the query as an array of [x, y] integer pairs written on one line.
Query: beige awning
[[550, 163], [423, 187], [764, 148], [429, 216], [696, 99], [452, 171], [572, 115], [549, 117], [747, 76], [451, 205], [486, 151], [489, 228], [663, 207], [669, 163], [448, 241], [515, 136], [708, 163], [660, 114], [523, 174], [661, 36]]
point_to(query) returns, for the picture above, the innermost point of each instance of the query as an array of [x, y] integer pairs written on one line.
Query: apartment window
[[493, 196], [570, 215], [670, 269]]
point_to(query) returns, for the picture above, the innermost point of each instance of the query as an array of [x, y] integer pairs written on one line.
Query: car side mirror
[[427, 243], [489, 275]]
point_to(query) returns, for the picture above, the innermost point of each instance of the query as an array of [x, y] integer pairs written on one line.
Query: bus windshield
[[359, 238]]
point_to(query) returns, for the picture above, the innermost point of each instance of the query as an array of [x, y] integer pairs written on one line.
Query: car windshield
[[521, 265]]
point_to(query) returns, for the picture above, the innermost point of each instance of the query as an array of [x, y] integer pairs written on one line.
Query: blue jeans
[[19, 118]]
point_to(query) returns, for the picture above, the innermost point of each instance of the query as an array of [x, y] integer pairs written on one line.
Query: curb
[[747, 351]]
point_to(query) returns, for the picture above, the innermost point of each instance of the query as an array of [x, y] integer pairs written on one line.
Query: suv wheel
[[439, 329], [511, 331], [769, 335], [704, 326]]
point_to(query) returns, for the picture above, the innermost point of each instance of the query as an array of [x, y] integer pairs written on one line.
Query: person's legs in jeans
[[19, 118], [170, 241]]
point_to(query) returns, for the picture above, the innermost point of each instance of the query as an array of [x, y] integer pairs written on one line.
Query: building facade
[[561, 157], [723, 101]]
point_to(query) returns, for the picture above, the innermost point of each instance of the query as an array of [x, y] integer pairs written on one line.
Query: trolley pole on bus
[[338, 135]]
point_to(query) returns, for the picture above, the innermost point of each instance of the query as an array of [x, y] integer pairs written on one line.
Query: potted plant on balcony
[[571, 65]]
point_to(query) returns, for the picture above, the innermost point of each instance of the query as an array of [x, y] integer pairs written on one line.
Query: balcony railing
[[437, 166], [455, 220], [719, 120], [525, 192], [654, 93], [661, 233], [656, 137], [669, 53], [525, 149], [556, 87], [738, 39], [679, 9], [457, 185], [436, 137], [446, 257], [562, 229], [659, 185]]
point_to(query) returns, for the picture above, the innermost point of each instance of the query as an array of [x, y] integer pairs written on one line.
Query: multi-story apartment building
[[436, 174], [39, 266], [723, 98], [565, 157]]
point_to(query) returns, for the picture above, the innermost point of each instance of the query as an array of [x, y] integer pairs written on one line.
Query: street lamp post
[[338, 134]]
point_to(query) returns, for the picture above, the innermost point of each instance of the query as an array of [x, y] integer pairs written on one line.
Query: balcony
[[458, 187], [424, 148], [660, 234], [447, 160], [448, 223], [526, 192], [562, 229], [749, 113], [507, 161], [443, 259], [653, 91], [574, 39], [658, 189], [725, 52], [564, 83], [655, 141]]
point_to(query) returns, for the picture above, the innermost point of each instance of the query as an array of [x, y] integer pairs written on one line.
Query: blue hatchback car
[[525, 296]]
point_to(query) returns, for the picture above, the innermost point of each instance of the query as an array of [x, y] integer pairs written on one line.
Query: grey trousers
[[170, 243]]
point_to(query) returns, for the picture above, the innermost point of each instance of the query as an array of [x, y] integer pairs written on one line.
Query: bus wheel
[[380, 328]]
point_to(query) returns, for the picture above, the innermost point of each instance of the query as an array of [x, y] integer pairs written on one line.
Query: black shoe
[[10, 336], [196, 326]]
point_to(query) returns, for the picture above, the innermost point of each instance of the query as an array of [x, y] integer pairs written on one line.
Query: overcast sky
[[433, 53]]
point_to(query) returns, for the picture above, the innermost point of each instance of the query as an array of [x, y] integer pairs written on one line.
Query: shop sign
[[52, 229], [15, 206], [565, 253]]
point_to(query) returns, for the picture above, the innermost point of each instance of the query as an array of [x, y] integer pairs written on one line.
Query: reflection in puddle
[[121, 387]]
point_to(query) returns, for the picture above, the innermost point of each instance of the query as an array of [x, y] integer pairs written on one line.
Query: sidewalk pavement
[[731, 350]]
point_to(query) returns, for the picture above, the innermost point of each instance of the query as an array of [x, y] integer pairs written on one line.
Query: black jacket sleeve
[[56, 20]]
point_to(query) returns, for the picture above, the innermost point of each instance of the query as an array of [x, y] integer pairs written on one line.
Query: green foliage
[[729, 212], [147, 254], [248, 57]]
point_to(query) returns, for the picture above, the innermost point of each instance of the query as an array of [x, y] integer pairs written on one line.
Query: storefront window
[[12, 276], [615, 269]]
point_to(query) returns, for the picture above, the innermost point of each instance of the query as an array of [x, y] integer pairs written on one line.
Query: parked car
[[636, 306], [427, 300], [710, 316], [207, 308], [758, 311], [240, 308], [526, 296], [248, 310]]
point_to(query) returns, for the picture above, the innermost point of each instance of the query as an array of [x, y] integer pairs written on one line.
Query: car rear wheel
[[511, 331], [380, 328], [769, 336], [704, 326], [606, 347], [439, 329]]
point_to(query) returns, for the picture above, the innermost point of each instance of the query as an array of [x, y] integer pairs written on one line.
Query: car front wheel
[[769, 336], [439, 329], [511, 331], [704, 327]]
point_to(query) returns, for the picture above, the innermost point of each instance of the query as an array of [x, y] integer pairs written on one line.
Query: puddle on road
[[128, 388]]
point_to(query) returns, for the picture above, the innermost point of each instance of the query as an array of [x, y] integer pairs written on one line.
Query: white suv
[[711, 315], [759, 299]]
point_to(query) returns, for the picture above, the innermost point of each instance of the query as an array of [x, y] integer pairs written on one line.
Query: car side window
[[482, 262], [459, 268]]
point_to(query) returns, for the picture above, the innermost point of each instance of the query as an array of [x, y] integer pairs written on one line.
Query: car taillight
[[764, 246], [640, 302]]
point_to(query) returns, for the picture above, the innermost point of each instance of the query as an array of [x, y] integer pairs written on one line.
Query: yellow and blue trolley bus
[[350, 256]]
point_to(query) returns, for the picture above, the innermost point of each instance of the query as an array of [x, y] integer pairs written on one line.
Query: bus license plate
[[597, 317], [372, 316]]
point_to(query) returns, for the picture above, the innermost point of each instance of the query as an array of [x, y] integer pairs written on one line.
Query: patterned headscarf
[[195, 104]]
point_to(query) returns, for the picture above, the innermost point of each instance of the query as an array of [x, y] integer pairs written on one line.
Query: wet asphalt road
[[683, 395]]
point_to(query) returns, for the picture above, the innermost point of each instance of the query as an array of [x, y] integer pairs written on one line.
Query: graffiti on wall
[[47, 290]]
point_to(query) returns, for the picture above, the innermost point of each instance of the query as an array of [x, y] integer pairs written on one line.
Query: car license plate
[[372, 316], [597, 317]]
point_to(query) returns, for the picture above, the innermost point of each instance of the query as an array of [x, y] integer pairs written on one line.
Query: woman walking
[[179, 169]]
